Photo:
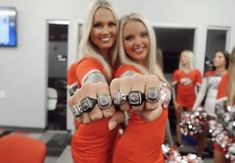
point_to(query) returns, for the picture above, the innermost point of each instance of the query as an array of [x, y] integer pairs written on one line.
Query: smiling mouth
[[138, 50], [106, 39]]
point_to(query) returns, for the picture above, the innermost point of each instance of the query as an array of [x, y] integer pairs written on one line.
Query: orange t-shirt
[[209, 73], [186, 83], [91, 142], [141, 141]]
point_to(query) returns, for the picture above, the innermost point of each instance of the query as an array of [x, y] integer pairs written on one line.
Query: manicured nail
[[112, 125]]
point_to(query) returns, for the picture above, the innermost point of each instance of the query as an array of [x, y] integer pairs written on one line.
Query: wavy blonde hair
[[231, 82], [86, 48], [189, 54], [150, 67]]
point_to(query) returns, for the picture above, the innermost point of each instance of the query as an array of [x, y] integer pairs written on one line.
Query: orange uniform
[[91, 143], [141, 141], [222, 93], [186, 86]]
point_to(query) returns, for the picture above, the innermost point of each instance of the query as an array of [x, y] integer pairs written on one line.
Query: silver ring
[[77, 110], [135, 98], [104, 101], [119, 98], [152, 94], [87, 104]]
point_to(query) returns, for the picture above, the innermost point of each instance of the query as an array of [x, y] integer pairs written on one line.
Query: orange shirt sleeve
[[124, 68], [175, 77], [79, 69], [71, 78], [85, 66], [209, 73], [222, 88]]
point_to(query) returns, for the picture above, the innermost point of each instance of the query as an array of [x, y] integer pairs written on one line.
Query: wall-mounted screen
[[8, 35]]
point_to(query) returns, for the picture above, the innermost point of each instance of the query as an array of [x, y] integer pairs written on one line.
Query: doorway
[[172, 41], [216, 40], [57, 67]]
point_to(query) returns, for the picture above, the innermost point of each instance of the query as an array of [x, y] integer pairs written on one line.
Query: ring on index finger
[[152, 94], [135, 98], [119, 98]]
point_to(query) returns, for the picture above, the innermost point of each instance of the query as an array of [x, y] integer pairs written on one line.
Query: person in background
[[209, 89], [226, 94], [138, 74], [91, 103], [185, 84]]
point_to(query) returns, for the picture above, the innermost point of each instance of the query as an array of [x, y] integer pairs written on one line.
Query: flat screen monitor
[[8, 35]]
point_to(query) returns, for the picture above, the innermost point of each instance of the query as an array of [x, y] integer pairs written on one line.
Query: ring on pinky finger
[[77, 110], [152, 95]]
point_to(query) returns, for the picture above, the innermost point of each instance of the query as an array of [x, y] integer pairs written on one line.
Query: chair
[[16, 148], [52, 98]]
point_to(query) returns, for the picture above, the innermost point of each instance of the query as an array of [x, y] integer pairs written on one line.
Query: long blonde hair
[[231, 82], [151, 67], [189, 54], [86, 48]]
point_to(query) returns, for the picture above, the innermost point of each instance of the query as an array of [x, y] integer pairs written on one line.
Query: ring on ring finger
[[104, 101]]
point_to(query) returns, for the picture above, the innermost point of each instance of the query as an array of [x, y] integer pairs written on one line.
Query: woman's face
[[136, 41], [219, 60], [184, 59], [104, 30]]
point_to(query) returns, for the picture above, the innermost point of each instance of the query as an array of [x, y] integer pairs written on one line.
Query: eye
[[129, 38], [144, 34], [111, 24], [97, 25]]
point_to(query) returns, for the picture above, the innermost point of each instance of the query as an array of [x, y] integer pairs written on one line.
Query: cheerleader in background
[[209, 89], [185, 84], [226, 94]]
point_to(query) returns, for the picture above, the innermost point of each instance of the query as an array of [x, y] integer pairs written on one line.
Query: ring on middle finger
[[135, 98], [119, 98], [87, 104], [104, 101], [152, 94]]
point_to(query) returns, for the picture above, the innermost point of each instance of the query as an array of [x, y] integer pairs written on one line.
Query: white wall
[[23, 70]]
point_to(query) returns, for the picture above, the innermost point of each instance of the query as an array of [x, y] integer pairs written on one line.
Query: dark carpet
[[5, 132], [57, 144]]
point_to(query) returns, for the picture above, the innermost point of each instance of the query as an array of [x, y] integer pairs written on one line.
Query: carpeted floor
[[57, 144], [56, 141]]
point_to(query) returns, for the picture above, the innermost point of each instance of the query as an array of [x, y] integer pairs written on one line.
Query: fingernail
[[112, 125]]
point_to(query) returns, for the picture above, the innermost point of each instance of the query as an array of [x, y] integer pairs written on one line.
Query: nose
[[105, 30], [138, 40]]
